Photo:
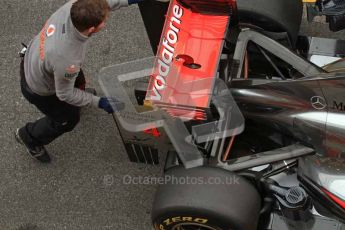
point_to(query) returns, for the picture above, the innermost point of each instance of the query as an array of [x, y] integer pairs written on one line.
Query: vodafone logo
[[51, 30], [167, 51]]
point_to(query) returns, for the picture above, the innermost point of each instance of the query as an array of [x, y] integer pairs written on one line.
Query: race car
[[250, 130]]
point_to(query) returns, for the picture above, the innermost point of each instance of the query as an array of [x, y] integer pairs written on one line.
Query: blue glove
[[110, 105], [130, 2]]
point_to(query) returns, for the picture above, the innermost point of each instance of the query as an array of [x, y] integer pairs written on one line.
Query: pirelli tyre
[[272, 15], [205, 198]]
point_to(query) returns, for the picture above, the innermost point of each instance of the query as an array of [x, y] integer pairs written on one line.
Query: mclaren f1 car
[[247, 116]]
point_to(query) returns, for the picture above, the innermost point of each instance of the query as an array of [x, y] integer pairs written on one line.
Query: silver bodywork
[[310, 110]]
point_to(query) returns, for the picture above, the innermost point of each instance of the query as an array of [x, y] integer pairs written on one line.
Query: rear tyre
[[272, 15], [205, 198]]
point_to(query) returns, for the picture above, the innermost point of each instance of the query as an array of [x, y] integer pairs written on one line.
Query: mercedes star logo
[[318, 102]]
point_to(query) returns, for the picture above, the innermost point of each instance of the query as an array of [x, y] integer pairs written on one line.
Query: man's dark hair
[[88, 13]]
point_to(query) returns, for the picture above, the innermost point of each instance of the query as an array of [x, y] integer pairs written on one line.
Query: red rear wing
[[187, 61]]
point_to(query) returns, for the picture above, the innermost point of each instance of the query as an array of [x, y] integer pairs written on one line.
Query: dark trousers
[[60, 117]]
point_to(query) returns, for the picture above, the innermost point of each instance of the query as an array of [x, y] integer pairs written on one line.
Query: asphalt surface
[[83, 186]]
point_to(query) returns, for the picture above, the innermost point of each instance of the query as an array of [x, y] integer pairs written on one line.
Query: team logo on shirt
[[51, 30], [71, 71]]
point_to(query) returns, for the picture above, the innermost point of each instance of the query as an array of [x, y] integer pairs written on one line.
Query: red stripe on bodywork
[[336, 199]]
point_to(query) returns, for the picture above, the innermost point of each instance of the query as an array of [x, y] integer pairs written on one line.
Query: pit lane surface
[[82, 188]]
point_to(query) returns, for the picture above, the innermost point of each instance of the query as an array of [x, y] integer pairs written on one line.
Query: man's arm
[[65, 75], [116, 4]]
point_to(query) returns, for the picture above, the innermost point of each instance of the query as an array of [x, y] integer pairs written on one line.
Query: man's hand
[[110, 105]]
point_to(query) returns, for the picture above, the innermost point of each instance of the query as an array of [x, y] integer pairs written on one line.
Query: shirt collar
[[74, 32]]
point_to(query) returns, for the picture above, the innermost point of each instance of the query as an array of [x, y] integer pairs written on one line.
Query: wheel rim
[[192, 226]]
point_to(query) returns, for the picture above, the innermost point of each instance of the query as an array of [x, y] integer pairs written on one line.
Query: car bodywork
[[204, 84]]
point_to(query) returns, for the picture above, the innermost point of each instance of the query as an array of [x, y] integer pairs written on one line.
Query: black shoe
[[38, 152]]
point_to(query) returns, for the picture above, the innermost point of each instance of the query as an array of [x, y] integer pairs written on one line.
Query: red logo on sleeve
[[51, 30]]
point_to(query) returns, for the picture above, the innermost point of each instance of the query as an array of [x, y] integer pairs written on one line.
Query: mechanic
[[51, 74]]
